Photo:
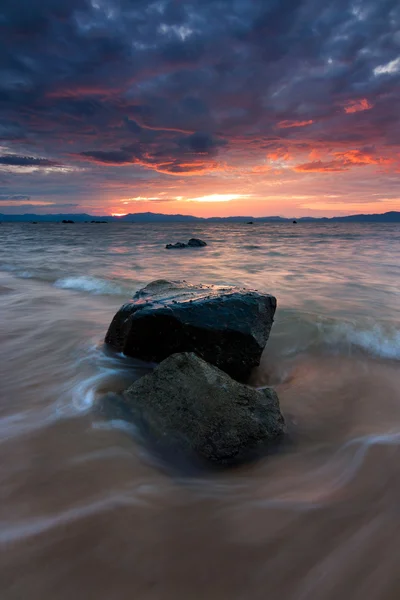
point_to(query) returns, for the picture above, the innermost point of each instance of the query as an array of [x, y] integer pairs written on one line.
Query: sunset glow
[[218, 198], [164, 118]]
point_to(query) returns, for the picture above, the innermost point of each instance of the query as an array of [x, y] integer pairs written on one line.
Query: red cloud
[[286, 124], [358, 106], [319, 166], [279, 154], [343, 161], [356, 157]]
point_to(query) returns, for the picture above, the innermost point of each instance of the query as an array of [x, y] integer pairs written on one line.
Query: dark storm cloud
[[174, 155], [176, 86], [14, 160]]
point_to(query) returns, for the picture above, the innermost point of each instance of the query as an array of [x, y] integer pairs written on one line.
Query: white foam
[[376, 340], [92, 285]]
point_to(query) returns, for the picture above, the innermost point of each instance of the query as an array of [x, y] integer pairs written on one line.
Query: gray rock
[[228, 327], [176, 246], [192, 243], [191, 405], [196, 243]]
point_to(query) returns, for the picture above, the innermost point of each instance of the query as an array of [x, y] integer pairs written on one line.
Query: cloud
[[287, 124], [5, 198], [155, 199], [390, 68], [113, 157], [343, 161], [357, 106], [38, 208], [219, 198], [14, 160], [320, 166], [187, 154], [159, 91]]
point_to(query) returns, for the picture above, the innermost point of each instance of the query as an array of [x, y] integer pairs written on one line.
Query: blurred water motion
[[87, 513]]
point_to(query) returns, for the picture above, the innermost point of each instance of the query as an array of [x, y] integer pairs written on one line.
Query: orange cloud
[[343, 161], [356, 157], [260, 169], [320, 166], [358, 106], [279, 154], [286, 124], [315, 155]]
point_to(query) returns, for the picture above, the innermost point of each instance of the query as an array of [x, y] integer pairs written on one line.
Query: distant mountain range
[[149, 217]]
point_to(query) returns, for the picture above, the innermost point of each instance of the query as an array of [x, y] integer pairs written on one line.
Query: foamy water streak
[[92, 285]]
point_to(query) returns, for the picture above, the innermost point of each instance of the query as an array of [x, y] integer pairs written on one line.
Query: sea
[[87, 512]]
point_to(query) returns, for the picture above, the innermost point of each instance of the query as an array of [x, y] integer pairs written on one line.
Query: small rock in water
[[176, 246], [228, 327], [193, 406], [196, 243], [192, 243]]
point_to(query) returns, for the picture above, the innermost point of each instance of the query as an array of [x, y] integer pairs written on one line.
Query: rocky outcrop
[[227, 327], [192, 243], [176, 246], [194, 407], [196, 243]]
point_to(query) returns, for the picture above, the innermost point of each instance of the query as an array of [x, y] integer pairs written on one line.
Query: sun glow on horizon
[[218, 198]]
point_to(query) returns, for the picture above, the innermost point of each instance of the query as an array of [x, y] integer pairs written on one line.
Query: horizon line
[[121, 217]]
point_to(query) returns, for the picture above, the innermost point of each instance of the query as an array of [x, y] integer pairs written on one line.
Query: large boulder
[[228, 327], [193, 407]]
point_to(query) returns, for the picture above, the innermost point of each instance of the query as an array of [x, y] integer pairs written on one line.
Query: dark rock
[[189, 404], [294, 222], [250, 222], [228, 327], [98, 221], [176, 246], [196, 243], [192, 243], [67, 221]]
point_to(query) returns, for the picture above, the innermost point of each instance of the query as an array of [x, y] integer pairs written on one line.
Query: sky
[[204, 107]]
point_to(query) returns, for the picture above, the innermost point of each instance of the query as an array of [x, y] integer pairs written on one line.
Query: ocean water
[[87, 512]]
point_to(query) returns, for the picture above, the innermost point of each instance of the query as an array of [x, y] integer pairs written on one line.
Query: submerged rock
[[191, 405], [176, 246], [196, 243], [228, 327], [192, 243]]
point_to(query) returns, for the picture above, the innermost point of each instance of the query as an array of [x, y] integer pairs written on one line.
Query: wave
[[300, 332], [16, 272], [377, 340], [91, 285]]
